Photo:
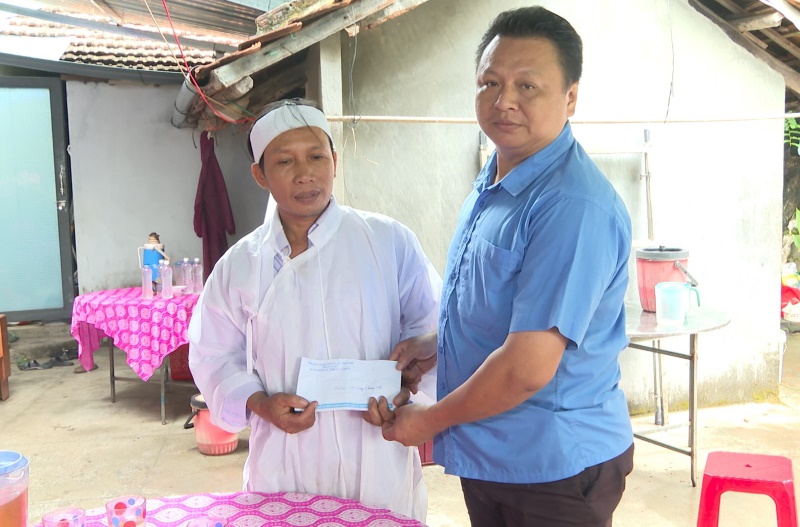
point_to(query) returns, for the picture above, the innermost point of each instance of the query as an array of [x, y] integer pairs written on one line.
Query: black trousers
[[587, 499]]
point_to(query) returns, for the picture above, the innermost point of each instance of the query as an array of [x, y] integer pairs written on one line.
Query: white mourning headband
[[282, 119]]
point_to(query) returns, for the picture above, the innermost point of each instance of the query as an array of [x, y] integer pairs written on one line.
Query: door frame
[[63, 204]]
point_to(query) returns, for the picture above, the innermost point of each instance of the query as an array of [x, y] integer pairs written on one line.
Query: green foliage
[[791, 132]]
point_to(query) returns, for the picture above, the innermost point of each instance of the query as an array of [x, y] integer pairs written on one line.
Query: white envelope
[[347, 384]]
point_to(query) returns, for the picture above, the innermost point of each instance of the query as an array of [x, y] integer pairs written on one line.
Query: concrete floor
[[84, 450]]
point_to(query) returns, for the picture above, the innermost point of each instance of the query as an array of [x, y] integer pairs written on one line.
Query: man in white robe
[[316, 280]]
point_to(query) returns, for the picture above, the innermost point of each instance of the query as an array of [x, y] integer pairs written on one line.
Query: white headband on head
[[283, 119]]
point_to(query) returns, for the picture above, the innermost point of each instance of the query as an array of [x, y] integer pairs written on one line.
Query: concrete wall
[[134, 173], [716, 185]]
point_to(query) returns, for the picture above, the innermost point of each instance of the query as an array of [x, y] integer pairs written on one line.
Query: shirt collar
[[526, 172], [320, 232]]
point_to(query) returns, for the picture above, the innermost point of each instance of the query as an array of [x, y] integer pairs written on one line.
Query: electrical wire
[[193, 80], [169, 46]]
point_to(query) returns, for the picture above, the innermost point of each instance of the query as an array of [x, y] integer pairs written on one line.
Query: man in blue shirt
[[530, 414]]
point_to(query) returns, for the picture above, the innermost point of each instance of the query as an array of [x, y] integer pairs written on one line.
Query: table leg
[[658, 379], [163, 390], [111, 369], [693, 405]]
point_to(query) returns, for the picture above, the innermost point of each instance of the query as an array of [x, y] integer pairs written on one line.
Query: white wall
[[134, 173], [717, 187]]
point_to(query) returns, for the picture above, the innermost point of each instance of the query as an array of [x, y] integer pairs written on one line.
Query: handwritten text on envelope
[[347, 384]]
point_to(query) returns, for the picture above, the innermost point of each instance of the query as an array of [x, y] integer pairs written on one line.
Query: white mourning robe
[[362, 286]]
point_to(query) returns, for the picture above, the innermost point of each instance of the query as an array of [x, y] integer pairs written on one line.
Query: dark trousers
[[587, 499]]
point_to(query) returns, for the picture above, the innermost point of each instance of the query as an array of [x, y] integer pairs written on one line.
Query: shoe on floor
[[26, 364], [80, 369], [61, 361]]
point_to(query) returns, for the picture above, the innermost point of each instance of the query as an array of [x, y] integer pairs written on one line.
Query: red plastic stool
[[753, 473]]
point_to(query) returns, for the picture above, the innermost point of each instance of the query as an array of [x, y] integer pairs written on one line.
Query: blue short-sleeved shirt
[[547, 246]]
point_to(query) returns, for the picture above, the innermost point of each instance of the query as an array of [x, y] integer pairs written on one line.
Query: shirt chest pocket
[[487, 285]]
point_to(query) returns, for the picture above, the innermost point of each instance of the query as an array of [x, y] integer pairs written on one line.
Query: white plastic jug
[[13, 489]]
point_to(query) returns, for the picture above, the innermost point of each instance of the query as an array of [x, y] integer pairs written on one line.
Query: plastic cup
[[64, 517], [207, 521], [672, 302], [126, 511]]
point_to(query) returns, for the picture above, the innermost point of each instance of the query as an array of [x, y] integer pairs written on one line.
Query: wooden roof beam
[[228, 74], [399, 7], [782, 42], [790, 76], [732, 6]]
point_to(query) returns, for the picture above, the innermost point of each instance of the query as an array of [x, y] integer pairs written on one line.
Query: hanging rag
[[212, 209]]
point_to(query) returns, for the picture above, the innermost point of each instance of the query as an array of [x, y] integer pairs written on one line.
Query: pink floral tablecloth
[[147, 330], [254, 509]]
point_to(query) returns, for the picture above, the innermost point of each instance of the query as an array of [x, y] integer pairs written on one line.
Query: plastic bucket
[[13, 489], [211, 439], [660, 264]]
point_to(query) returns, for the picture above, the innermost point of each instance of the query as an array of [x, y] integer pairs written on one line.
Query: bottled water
[[147, 282], [197, 276], [177, 273], [186, 277], [159, 276], [166, 281]]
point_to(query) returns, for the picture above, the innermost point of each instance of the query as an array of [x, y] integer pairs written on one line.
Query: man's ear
[[572, 99], [259, 176], [335, 159]]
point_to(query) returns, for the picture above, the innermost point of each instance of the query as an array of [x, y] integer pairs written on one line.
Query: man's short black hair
[[274, 106], [538, 22]]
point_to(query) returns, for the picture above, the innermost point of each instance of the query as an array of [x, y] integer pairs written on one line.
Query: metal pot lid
[[199, 402], [11, 461], [662, 253]]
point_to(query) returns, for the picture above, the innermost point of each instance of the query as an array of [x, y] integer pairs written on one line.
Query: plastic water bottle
[[147, 282], [166, 281], [197, 276], [158, 274], [186, 277], [177, 273]]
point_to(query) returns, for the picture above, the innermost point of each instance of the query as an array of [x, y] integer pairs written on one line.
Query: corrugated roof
[[89, 46], [212, 17]]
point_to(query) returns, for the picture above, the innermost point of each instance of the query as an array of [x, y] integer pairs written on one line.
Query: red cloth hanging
[[212, 209]]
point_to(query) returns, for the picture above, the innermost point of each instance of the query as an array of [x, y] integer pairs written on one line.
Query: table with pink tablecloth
[[146, 329], [255, 509]]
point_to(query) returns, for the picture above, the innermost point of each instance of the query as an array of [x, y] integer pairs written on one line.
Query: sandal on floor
[[61, 361], [80, 369], [26, 364]]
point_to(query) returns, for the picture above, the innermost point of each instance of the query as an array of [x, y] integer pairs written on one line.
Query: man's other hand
[[408, 426], [415, 357], [281, 409]]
